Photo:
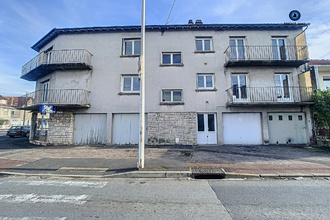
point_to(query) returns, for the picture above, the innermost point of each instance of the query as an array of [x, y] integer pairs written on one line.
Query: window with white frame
[[237, 49], [171, 58], [205, 81], [130, 84], [131, 47], [326, 82], [203, 44], [172, 96]]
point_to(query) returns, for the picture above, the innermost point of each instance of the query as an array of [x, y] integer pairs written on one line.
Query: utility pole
[[142, 90]]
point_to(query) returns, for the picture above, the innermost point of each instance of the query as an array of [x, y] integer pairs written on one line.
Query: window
[[270, 117], [171, 58], [237, 49], [300, 118], [205, 81], [174, 96], [44, 91], [290, 117], [280, 117], [239, 86], [279, 52], [282, 86], [203, 44], [131, 47], [130, 84], [326, 82]]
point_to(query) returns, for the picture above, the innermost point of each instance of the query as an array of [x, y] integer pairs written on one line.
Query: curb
[[232, 175], [131, 174]]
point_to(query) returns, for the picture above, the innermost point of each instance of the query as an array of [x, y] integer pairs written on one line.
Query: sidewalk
[[168, 162]]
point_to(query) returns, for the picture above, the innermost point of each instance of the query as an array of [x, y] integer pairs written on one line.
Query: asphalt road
[[14, 143], [163, 199]]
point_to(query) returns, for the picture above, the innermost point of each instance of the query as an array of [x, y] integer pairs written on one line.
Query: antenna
[[169, 15]]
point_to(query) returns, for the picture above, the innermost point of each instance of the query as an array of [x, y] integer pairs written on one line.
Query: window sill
[[171, 103], [206, 90], [129, 56], [173, 65], [129, 93], [207, 51]]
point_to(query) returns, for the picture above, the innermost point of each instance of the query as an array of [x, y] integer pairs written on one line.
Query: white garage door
[[242, 128], [287, 128], [90, 129], [125, 129]]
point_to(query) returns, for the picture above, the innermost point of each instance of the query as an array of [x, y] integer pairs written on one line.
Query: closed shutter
[[125, 129], [90, 129]]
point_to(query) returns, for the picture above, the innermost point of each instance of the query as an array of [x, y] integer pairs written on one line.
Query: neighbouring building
[[205, 84], [320, 70], [10, 112]]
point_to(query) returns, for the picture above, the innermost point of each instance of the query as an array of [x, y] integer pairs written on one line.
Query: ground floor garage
[[287, 128], [242, 128], [259, 126]]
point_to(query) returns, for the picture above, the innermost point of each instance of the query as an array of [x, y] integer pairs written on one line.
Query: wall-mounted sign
[[47, 109], [294, 15]]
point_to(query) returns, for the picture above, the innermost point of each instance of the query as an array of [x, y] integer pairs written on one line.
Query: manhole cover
[[83, 169]]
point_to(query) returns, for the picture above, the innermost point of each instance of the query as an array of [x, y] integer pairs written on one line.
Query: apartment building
[[205, 84]]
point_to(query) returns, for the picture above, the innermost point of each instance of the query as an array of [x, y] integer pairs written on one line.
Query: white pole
[[142, 90]]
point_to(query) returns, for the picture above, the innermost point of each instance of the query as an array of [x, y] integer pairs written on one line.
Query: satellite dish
[[294, 15]]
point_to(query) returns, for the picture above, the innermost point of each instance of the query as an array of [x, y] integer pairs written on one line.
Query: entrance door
[[206, 129]]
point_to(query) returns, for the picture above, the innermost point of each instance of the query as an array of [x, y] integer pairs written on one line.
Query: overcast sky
[[24, 22]]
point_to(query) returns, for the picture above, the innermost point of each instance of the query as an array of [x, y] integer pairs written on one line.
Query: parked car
[[23, 131]]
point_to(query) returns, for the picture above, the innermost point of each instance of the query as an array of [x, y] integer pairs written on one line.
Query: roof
[[2, 97], [191, 27], [319, 62]]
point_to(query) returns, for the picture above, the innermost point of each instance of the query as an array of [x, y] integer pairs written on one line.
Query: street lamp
[[142, 90]]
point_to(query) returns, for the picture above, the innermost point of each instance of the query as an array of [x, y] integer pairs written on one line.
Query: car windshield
[[16, 127]]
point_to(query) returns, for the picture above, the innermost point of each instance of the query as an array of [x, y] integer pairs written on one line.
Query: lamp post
[[142, 90]]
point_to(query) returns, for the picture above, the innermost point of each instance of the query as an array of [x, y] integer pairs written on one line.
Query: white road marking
[[33, 218], [33, 198], [59, 183]]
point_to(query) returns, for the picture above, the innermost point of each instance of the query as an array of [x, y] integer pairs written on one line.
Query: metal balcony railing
[[76, 56], [266, 53], [60, 97], [269, 95]]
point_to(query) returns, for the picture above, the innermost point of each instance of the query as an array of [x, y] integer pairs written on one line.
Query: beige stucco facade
[[109, 65]]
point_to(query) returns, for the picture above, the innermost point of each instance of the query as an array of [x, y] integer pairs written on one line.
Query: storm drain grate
[[83, 169], [207, 173]]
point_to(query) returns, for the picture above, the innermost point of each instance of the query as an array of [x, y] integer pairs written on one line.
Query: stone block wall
[[61, 127], [172, 128]]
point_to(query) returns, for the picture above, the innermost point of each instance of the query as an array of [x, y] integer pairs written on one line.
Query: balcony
[[61, 98], [264, 96], [47, 62], [287, 56]]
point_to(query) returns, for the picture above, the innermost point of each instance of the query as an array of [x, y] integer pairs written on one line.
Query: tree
[[322, 108]]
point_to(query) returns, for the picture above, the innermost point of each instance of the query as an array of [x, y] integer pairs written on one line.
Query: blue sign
[[47, 109], [294, 15]]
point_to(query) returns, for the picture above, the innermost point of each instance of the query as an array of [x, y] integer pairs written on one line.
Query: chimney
[[198, 22], [190, 22]]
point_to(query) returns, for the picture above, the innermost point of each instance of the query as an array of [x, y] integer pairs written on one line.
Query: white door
[[287, 128], [206, 129], [125, 129], [90, 129], [242, 128]]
